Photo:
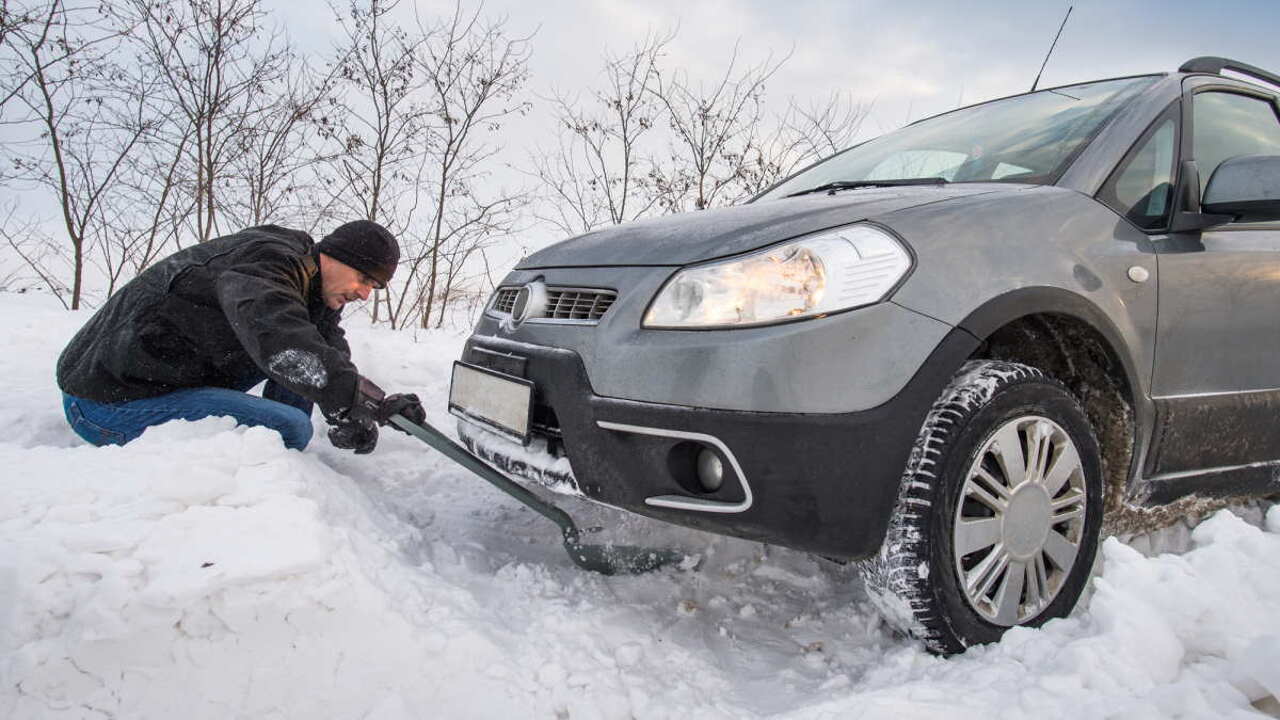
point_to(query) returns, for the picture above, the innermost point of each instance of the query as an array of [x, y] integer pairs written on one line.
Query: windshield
[[1026, 138]]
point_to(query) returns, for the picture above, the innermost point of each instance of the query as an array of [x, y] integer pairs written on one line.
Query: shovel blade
[[605, 559], [619, 559]]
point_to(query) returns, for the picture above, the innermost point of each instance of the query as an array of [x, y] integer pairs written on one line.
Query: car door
[[1216, 376]]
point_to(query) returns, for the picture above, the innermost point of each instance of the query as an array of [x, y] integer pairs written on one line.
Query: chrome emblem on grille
[[531, 302], [514, 305]]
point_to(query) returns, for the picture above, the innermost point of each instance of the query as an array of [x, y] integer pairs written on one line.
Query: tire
[[981, 539]]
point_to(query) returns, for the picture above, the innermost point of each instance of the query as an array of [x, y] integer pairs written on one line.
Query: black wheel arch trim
[[1038, 300]]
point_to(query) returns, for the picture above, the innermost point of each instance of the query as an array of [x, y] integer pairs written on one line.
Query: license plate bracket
[[498, 401]]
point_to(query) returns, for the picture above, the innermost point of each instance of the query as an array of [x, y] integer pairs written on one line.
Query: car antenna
[[1051, 47]]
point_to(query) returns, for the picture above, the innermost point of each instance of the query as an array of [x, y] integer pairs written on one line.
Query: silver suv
[[958, 353]]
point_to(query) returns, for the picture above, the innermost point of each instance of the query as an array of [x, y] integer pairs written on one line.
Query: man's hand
[[374, 404], [406, 404], [355, 434]]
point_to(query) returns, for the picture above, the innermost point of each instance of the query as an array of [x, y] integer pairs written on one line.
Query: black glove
[[406, 404], [354, 434], [372, 403]]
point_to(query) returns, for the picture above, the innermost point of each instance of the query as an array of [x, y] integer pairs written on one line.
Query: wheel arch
[[1072, 339]]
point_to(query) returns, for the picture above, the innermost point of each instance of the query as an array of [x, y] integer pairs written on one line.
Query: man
[[189, 336]]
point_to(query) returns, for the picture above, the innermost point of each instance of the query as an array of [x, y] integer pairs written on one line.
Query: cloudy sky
[[909, 58], [912, 57]]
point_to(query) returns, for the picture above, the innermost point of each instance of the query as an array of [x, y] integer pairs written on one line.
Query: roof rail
[[1215, 66]]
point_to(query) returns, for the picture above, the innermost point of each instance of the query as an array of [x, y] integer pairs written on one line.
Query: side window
[[1141, 189], [1227, 125]]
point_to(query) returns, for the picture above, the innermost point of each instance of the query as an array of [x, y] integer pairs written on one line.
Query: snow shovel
[[604, 559]]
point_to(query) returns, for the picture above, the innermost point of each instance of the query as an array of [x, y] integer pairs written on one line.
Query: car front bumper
[[820, 482]]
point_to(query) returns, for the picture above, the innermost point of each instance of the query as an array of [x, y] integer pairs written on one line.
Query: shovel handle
[[596, 558], [463, 457]]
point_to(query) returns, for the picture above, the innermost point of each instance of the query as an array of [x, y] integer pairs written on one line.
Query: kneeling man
[[189, 336]]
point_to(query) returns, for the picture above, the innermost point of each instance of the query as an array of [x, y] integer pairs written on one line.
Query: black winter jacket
[[215, 315]]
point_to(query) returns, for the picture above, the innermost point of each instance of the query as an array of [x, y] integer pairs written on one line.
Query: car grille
[[578, 304], [582, 304], [505, 299]]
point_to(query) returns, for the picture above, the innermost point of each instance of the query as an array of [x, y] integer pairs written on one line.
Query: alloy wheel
[[1019, 520]]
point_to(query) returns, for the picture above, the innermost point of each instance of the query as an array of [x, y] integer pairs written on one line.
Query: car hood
[[708, 234]]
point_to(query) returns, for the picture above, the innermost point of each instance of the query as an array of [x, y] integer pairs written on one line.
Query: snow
[[204, 571], [550, 472], [300, 366]]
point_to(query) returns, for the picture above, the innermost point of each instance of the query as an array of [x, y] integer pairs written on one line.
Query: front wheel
[[999, 512]]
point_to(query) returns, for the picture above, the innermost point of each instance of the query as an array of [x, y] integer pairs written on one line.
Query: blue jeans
[[117, 423]]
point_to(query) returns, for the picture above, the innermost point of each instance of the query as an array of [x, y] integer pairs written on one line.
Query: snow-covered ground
[[206, 572]]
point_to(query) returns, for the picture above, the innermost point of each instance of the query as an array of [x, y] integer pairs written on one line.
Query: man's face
[[340, 283]]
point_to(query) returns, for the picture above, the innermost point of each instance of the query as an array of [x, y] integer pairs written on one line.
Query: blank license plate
[[500, 402]]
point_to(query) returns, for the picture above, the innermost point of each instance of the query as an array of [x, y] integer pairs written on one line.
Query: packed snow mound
[[205, 571], [1174, 636]]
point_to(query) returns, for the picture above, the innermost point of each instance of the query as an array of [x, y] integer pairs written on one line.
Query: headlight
[[820, 274]]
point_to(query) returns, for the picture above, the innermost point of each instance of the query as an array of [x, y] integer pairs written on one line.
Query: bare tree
[[158, 207], [215, 60], [824, 128], [715, 129], [801, 136], [88, 130], [42, 260], [381, 135], [721, 146], [460, 282], [157, 120], [474, 73], [272, 170], [382, 128], [14, 74], [420, 103], [145, 218], [599, 174], [8, 20], [11, 19]]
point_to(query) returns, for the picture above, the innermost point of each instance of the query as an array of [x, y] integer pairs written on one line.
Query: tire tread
[[898, 577]]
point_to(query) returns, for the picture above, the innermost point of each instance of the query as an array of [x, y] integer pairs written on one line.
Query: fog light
[[710, 470]]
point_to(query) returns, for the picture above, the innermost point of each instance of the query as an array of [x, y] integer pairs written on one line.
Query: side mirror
[[1246, 187]]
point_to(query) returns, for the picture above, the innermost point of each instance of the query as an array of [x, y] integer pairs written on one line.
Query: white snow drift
[[206, 572]]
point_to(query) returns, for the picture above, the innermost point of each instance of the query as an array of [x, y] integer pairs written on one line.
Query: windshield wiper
[[832, 187]]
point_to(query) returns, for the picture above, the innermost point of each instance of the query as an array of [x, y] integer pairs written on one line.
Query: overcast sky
[[911, 58]]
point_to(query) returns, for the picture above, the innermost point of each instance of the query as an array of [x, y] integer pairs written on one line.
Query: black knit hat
[[366, 246]]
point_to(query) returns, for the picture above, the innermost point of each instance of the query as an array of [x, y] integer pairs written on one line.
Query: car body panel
[[708, 234], [823, 482], [853, 360], [821, 413], [1215, 382], [1220, 312], [1082, 247]]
